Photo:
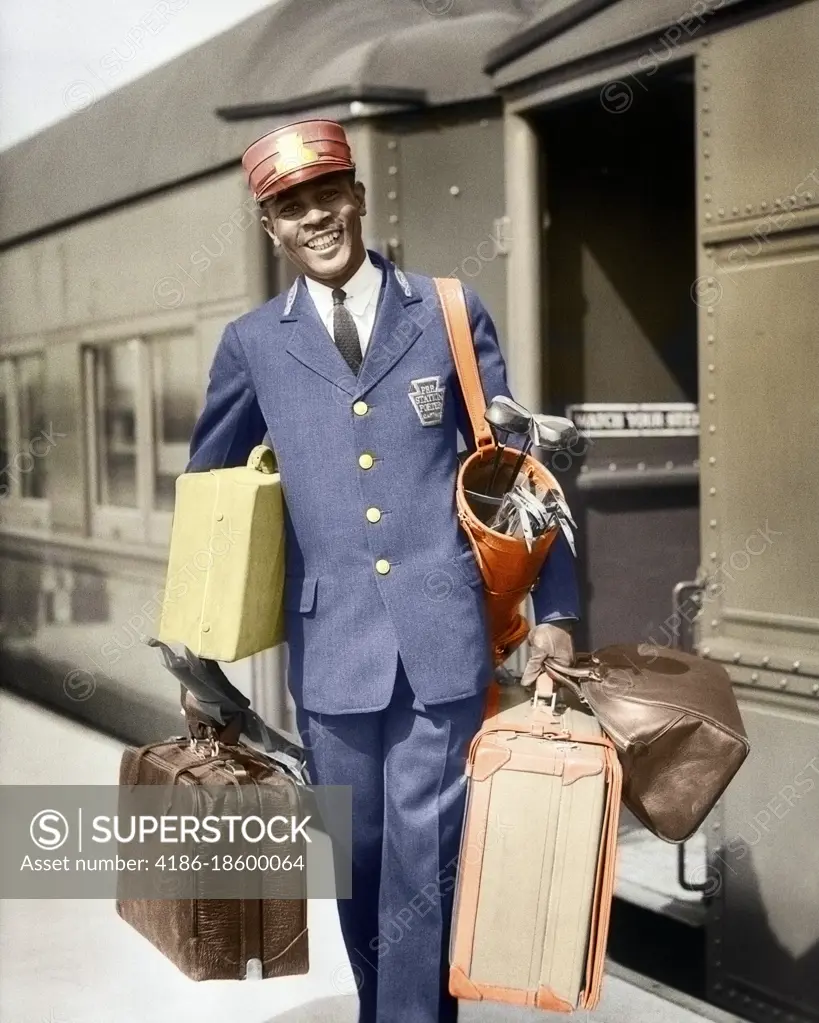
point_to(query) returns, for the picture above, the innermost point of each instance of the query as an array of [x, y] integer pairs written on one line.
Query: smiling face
[[318, 224]]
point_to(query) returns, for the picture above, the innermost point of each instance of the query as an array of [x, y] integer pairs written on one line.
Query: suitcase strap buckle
[[205, 748]]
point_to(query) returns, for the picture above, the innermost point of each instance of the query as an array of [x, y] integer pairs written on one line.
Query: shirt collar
[[360, 288]]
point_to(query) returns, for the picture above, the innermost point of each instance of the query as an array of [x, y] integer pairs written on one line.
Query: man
[[389, 650]]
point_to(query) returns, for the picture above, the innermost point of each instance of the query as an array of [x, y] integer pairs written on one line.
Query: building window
[[145, 395], [24, 439]]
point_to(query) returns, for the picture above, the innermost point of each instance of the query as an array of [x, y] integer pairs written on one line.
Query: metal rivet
[[712, 429], [714, 623], [712, 396], [706, 132], [711, 367], [766, 661], [735, 209], [484, 122], [712, 460], [713, 523], [612, 466], [809, 196], [712, 491], [710, 339], [763, 206], [707, 216], [797, 665], [721, 211], [205, 628], [713, 555], [392, 195], [669, 465], [393, 218], [220, 516], [392, 170], [706, 650], [641, 466], [454, 190], [392, 144], [754, 676], [815, 688], [783, 683], [736, 657], [707, 197]]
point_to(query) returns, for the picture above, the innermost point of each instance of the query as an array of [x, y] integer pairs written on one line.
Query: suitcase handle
[[263, 459]]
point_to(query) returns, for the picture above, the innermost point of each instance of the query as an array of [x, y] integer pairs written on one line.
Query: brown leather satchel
[[675, 723], [509, 570], [215, 938]]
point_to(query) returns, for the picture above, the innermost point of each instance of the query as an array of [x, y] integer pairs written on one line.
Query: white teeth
[[324, 242]]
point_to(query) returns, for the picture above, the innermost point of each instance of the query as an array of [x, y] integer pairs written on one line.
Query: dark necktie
[[345, 334]]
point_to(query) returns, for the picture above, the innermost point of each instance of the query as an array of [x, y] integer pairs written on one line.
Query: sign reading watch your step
[[635, 419]]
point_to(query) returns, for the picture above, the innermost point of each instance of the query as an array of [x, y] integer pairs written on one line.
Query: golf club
[[505, 416], [550, 432]]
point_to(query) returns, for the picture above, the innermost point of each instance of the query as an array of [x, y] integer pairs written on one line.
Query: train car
[[665, 158], [633, 189]]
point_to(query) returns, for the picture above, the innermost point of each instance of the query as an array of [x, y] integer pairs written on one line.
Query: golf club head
[[507, 416], [552, 432]]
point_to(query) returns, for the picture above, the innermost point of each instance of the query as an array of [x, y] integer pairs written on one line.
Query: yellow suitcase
[[223, 593]]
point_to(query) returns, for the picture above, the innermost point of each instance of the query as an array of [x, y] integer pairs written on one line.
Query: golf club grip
[[453, 303]]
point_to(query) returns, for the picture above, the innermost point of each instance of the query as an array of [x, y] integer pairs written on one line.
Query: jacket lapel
[[396, 326], [395, 330], [309, 341]]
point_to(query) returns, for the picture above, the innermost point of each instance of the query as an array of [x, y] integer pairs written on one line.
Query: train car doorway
[[618, 176]]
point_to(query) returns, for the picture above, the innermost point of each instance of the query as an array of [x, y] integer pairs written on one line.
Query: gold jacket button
[[373, 514], [366, 460], [382, 566], [361, 408]]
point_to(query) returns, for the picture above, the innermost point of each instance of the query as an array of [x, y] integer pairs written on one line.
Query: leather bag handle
[[451, 293]]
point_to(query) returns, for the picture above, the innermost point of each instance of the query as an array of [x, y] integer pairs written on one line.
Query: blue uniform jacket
[[277, 371]]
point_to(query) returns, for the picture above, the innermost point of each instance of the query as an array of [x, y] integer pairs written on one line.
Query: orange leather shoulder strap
[[456, 318]]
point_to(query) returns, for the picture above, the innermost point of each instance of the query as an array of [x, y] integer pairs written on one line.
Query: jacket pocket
[[300, 592], [467, 567]]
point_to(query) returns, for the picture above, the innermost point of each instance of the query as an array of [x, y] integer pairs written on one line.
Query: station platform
[[75, 961]]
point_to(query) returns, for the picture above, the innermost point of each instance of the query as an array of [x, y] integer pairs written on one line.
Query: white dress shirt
[[362, 291]]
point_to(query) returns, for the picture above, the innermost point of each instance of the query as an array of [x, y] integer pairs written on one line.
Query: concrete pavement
[[71, 961]]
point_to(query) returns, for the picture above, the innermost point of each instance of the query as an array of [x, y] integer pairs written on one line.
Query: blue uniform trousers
[[405, 764]]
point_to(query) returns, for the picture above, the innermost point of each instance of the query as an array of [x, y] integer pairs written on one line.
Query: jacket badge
[[291, 297], [427, 397], [403, 282]]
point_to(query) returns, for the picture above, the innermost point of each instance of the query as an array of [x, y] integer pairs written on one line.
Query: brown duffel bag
[[219, 938], [675, 723]]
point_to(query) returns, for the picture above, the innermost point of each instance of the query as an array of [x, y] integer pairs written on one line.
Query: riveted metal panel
[[758, 276], [760, 92], [450, 203], [763, 960]]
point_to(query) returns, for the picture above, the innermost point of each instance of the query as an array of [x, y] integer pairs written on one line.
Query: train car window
[[30, 386], [22, 423], [5, 465], [175, 401], [115, 405]]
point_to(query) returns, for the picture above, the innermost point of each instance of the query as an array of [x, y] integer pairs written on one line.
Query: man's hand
[[553, 640]]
